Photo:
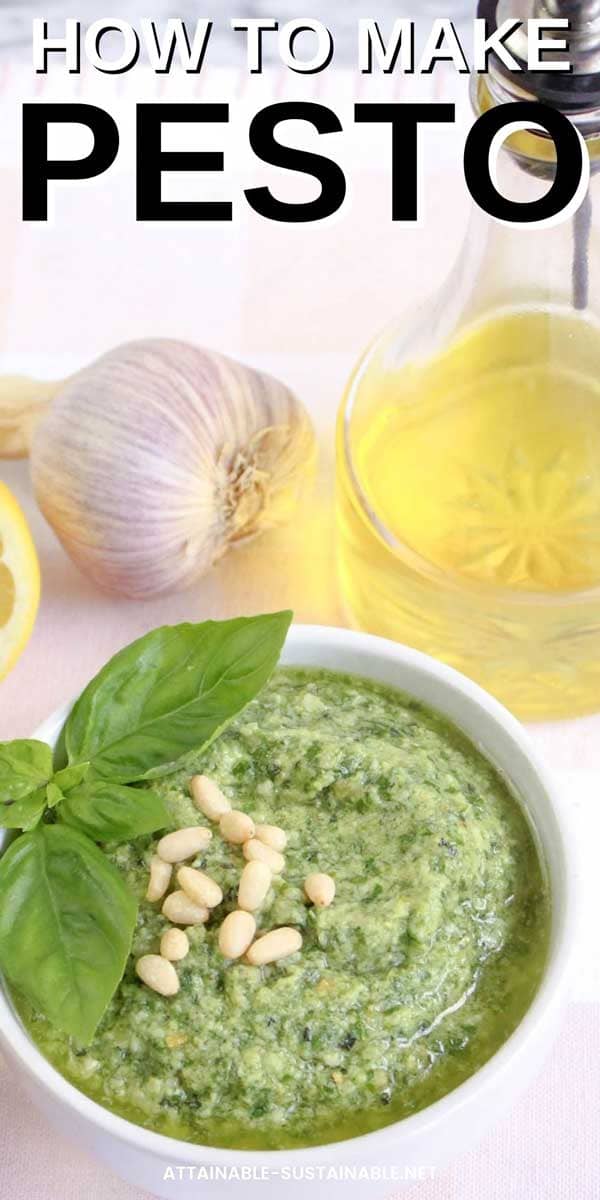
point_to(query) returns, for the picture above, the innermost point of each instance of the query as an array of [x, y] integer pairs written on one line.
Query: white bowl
[[411, 1148]]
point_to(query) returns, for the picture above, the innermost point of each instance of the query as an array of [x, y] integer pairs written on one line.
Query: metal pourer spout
[[584, 33], [576, 90], [579, 12]]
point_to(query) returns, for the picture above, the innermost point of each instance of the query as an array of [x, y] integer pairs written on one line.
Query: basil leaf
[[25, 766], [66, 925], [70, 777], [25, 813], [110, 812], [53, 795], [170, 693]]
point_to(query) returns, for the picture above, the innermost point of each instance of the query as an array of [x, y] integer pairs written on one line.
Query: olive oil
[[469, 503]]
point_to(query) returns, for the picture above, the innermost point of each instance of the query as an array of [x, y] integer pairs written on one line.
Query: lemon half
[[19, 581]]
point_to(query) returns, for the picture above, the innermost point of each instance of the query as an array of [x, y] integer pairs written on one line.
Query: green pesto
[[420, 970]]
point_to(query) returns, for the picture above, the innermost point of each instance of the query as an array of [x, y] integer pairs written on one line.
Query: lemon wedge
[[19, 581]]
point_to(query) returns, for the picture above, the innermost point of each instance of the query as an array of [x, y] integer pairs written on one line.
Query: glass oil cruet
[[469, 437]]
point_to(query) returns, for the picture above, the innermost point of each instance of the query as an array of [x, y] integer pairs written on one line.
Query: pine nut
[[160, 878], [236, 933], [236, 827], [255, 882], [199, 887], [179, 909], [279, 943], [272, 836], [208, 797], [320, 889], [255, 851], [157, 973], [174, 945], [183, 843]]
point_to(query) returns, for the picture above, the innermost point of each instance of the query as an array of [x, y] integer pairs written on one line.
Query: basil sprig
[[66, 924], [25, 766], [66, 917], [171, 692], [110, 812]]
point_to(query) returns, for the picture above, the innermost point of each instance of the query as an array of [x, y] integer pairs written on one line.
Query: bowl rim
[[485, 1080]]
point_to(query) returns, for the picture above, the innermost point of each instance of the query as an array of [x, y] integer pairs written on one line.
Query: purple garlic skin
[[153, 461]]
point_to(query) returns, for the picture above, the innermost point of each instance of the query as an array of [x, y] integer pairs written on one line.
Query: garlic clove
[[22, 403], [155, 460]]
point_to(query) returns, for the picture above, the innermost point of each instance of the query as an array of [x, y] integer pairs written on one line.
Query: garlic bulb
[[153, 461]]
